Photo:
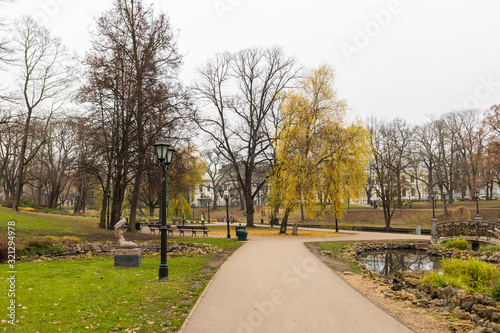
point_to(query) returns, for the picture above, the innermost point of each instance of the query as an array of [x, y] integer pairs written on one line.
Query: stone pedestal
[[434, 233], [128, 257]]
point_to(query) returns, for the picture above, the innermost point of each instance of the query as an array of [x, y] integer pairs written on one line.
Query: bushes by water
[[471, 275], [460, 244], [490, 248]]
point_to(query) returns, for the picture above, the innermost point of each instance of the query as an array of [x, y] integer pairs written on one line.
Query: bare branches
[[43, 80], [240, 92]]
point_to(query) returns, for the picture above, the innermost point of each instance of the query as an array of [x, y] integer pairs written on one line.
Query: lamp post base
[[163, 273]]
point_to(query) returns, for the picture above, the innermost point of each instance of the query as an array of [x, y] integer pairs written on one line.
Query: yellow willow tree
[[320, 154], [343, 172]]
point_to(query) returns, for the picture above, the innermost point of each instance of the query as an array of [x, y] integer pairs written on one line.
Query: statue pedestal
[[128, 257]]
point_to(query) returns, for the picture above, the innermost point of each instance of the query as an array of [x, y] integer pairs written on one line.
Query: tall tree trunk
[[242, 198], [249, 208], [284, 221], [302, 219], [118, 197], [398, 178], [445, 207], [135, 194], [387, 216], [104, 209], [22, 157]]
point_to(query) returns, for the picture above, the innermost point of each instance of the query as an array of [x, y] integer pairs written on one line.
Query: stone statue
[[120, 228]]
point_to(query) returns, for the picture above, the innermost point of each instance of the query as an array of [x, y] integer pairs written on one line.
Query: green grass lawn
[[336, 248], [89, 293]]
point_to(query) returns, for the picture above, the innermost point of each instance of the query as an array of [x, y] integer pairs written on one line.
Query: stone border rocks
[[480, 309], [173, 248]]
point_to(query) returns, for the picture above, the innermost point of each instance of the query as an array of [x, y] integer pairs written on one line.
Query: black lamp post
[[226, 197], [476, 193], [433, 196], [208, 202], [108, 194], [164, 152]]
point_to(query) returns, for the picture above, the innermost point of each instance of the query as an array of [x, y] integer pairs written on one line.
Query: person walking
[[231, 218], [202, 218], [183, 218]]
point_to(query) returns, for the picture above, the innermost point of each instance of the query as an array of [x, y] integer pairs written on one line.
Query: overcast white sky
[[394, 58]]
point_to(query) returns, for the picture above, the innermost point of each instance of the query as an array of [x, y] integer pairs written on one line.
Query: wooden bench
[[194, 229], [154, 227]]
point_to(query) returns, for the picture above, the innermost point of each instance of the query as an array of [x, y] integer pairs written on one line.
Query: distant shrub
[[51, 239], [26, 202], [69, 240], [40, 248], [27, 209], [55, 211], [490, 248], [460, 244]]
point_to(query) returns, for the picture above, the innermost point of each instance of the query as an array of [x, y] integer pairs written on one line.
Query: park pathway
[[274, 284]]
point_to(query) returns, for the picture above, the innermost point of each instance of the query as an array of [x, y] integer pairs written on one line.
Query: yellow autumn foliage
[[321, 152]]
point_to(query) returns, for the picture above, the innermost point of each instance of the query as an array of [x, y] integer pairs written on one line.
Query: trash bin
[[242, 235], [138, 226], [239, 228]]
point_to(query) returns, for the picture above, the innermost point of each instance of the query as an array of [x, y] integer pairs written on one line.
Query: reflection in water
[[390, 261]]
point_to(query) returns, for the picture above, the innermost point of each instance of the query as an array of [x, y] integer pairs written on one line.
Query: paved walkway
[[274, 284]]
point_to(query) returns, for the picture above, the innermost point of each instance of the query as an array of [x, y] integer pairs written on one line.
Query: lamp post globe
[[164, 152]]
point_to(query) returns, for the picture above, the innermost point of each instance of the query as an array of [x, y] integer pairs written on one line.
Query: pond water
[[390, 261]]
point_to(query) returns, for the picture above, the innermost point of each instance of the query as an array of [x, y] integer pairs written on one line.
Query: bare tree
[[471, 137], [55, 160], [384, 155], [133, 82], [43, 80], [240, 92]]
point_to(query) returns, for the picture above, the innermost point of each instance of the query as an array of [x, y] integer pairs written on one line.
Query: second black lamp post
[[226, 197], [164, 153], [432, 193], [476, 193]]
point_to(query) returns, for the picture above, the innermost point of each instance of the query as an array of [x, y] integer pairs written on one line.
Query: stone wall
[[173, 248], [481, 309]]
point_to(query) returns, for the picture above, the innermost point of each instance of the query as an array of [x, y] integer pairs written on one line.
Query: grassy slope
[[32, 226], [73, 295]]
